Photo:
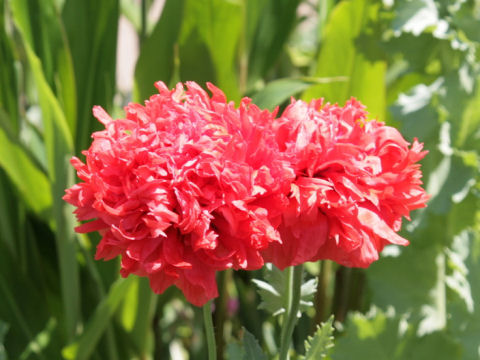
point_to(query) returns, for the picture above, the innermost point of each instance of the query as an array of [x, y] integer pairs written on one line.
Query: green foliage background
[[415, 64]]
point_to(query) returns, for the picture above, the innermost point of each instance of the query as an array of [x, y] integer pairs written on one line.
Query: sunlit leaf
[[40, 24], [273, 291], [418, 118], [463, 280], [415, 16], [386, 336], [31, 182], [352, 51], [320, 344], [390, 280], [219, 24]]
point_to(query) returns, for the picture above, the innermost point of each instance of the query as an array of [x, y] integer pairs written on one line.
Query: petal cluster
[[183, 187], [355, 181], [188, 184]]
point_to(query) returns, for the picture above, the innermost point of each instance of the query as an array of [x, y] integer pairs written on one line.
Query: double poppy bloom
[[188, 185]]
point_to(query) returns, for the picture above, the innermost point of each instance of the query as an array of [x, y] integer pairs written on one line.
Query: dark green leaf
[[41, 340], [8, 78], [156, 61], [275, 23], [253, 351], [3, 332], [196, 62], [91, 29]]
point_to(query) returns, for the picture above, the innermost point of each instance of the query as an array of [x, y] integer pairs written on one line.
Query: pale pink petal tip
[[101, 115]]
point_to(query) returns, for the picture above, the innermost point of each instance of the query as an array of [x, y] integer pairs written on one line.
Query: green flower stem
[[210, 333], [322, 297], [292, 302], [221, 315]]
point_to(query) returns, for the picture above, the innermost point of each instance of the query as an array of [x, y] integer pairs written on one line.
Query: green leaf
[[385, 336], [414, 16], [8, 78], [144, 308], [448, 182], [219, 23], [457, 279], [235, 351], [84, 345], [195, 59], [59, 145], [42, 29], [273, 291], [3, 332], [8, 216], [390, 282], [466, 19], [417, 116], [247, 349], [41, 340], [30, 181], [318, 346], [91, 29], [350, 48], [253, 351], [463, 280], [278, 91], [156, 60], [275, 23]]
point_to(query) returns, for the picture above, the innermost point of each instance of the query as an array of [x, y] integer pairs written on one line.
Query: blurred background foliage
[[415, 64]]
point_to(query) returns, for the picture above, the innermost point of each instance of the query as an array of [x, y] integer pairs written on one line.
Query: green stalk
[[209, 331], [322, 297], [224, 277], [292, 302]]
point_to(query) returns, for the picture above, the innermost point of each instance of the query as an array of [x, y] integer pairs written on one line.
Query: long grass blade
[[85, 344]]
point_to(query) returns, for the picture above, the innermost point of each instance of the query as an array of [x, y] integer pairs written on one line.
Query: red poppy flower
[[182, 187], [355, 181]]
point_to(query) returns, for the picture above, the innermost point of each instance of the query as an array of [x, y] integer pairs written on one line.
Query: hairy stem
[[322, 298], [292, 302], [209, 331]]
